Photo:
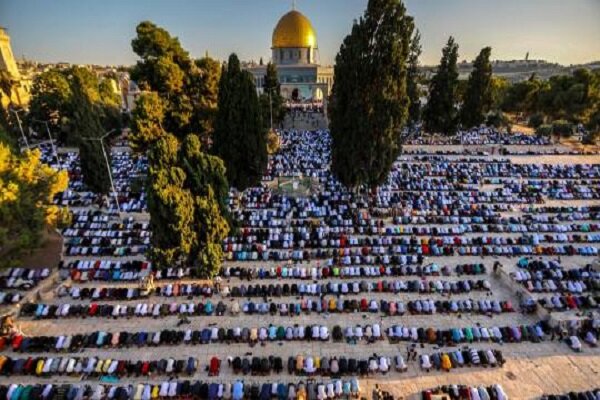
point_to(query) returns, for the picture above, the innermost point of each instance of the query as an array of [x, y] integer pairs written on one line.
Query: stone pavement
[[531, 369]]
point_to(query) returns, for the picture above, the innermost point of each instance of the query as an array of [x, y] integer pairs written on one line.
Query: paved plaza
[[530, 371]]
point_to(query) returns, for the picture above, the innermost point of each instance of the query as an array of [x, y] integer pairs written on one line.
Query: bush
[[497, 119], [544, 130], [591, 137], [562, 127], [536, 120]]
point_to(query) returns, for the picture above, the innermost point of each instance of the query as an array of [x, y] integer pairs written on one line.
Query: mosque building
[[295, 54]]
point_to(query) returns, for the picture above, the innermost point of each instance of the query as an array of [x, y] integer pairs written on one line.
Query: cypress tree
[[478, 96], [275, 101], [240, 138], [369, 100], [412, 81], [86, 122], [440, 114]]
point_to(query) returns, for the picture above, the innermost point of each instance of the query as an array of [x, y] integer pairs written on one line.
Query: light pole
[[112, 185], [21, 127], [51, 142]]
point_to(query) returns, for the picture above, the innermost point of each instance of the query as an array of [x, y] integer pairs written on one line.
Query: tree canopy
[[27, 187], [186, 187], [574, 97], [478, 96], [187, 224], [240, 138], [85, 120], [369, 101], [413, 78], [52, 100], [440, 114], [188, 87]]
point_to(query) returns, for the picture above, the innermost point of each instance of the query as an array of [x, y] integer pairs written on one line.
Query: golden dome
[[294, 30]]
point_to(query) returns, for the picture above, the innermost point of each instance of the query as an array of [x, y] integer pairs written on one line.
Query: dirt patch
[[47, 255]]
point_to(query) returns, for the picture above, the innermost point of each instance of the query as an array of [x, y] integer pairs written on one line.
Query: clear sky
[[100, 31]]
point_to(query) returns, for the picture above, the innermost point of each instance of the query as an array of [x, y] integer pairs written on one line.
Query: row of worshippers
[[131, 293], [174, 388], [356, 287], [22, 278], [312, 365], [465, 392], [404, 254], [305, 306], [237, 334], [93, 366], [468, 357], [506, 334], [569, 302]]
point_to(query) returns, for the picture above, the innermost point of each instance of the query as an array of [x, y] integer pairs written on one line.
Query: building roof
[[294, 30]]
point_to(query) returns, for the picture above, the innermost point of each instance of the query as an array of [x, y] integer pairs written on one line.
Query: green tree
[[544, 130], [186, 187], [208, 94], [369, 101], [27, 188], [52, 101], [51, 98], [186, 221], [478, 97], [86, 122], [499, 88], [147, 121], [274, 101], [535, 120], [240, 138], [440, 114], [413, 78], [562, 128]]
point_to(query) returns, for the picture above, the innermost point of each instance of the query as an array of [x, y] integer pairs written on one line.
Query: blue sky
[[86, 31]]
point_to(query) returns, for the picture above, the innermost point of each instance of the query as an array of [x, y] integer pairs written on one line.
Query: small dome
[[294, 30]]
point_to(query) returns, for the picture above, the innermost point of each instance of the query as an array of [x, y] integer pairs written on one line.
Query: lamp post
[[51, 142], [21, 127], [112, 185]]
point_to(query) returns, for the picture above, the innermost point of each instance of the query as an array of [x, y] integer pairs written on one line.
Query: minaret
[[7, 60]]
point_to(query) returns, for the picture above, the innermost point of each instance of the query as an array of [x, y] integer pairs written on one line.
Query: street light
[[21, 127], [51, 142], [101, 140]]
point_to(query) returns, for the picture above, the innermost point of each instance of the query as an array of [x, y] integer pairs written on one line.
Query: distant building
[[21, 86], [295, 53]]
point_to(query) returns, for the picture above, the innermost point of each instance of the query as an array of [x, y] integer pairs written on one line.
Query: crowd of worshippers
[[18, 278], [498, 152], [465, 392], [186, 389], [128, 171], [93, 233], [276, 290], [317, 272], [593, 394], [94, 367], [305, 306], [551, 276], [481, 136], [13, 281], [367, 333]]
